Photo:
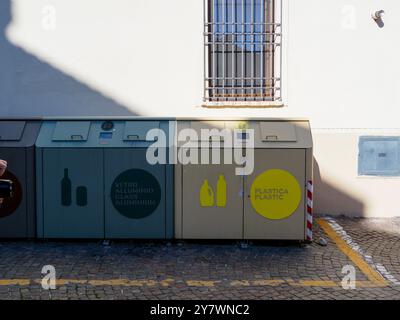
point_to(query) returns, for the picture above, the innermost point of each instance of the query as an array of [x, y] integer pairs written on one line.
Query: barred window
[[242, 50]]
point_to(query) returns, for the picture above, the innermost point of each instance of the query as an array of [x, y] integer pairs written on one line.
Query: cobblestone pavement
[[204, 270]]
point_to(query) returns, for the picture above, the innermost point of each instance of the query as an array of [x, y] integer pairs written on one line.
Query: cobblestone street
[[212, 270]]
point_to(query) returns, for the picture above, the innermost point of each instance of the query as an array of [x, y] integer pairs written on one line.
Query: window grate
[[242, 43]]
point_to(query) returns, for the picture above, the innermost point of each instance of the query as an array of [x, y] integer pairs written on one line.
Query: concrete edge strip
[[375, 272]]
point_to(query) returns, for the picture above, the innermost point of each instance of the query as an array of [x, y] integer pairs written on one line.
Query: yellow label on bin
[[275, 194]]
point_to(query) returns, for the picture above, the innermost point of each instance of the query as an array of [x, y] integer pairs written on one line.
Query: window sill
[[242, 104]]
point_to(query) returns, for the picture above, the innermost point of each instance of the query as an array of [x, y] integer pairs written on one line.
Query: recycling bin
[[95, 179], [213, 200], [17, 141]]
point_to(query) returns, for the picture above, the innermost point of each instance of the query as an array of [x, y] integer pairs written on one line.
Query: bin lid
[[137, 130], [11, 130], [278, 131], [71, 131], [268, 133]]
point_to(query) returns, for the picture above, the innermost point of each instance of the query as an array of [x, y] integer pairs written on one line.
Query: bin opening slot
[[71, 131], [276, 131], [271, 138], [137, 130], [76, 137], [213, 137], [11, 130]]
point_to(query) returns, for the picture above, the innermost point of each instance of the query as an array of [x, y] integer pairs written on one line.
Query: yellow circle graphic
[[275, 194]]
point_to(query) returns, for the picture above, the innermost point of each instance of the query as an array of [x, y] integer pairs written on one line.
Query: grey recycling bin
[[269, 202], [94, 180], [17, 141]]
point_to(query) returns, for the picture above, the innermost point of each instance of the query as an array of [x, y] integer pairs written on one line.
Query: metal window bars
[[242, 50]]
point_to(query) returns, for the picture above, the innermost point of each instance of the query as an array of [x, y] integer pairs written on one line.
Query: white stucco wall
[[343, 69], [340, 68], [339, 190]]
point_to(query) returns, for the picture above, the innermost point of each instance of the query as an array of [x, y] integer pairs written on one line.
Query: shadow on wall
[[31, 87], [329, 200]]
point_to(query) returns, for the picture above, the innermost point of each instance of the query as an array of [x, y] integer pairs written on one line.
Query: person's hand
[[3, 167]]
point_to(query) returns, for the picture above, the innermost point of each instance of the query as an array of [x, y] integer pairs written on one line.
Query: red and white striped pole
[[309, 233]]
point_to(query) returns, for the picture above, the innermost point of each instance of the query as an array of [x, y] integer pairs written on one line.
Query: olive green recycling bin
[[95, 180], [221, 200], [17, 141]]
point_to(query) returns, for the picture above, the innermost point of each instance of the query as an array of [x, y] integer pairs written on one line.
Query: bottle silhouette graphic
[[66, 189], [221, 191], [81, 196], [206, 195]]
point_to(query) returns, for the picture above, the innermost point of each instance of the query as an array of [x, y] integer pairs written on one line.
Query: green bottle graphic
[[66, 189], [221, 191]]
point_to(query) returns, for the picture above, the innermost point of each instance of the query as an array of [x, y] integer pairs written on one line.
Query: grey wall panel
[[169, 201], [379, 156], [135, 195], [17, 139], [39, 193], [203, 217], [71, 219], [291, 165], [13, 211], [31, 192]]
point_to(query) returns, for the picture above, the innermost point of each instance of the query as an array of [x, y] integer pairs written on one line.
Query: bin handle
[[133, 137], [220, 137], [271, 137]]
